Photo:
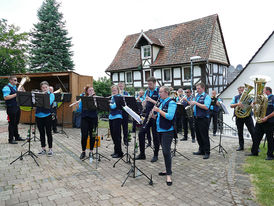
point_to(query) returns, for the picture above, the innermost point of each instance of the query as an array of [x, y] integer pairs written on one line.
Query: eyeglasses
[[187, 92], [15, 80]]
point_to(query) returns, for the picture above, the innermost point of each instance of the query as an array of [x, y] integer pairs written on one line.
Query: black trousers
[[166, 140], [143, 131], [14, 118], [125, 126], [261, 129], [213, 115], [115, 131], [201, 129], [188, 122], [44, 127], [87, 127], [248, 122], [179, 123], [54, 121], [148, 132]]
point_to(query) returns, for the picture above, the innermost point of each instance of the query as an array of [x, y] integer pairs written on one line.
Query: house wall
[[262, 64]]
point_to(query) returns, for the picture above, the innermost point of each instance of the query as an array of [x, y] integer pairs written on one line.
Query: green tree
[[102, 86], [50, 48], [13, 51]]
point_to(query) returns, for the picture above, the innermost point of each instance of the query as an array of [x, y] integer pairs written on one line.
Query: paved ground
[[65, 180]]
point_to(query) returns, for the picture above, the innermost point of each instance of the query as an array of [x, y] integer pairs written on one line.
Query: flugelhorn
[[23, 81], [58, 91]]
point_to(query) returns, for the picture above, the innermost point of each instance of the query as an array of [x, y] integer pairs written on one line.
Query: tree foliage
[[50, 48], [13, 49], [102, 86]]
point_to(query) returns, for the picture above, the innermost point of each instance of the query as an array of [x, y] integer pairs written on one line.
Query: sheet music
[[133, 114], [224, 107]]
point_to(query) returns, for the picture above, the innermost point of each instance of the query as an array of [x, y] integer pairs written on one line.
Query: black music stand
[[63, 97], [179, 111], [95, 103], [132, 104], [31, 99]]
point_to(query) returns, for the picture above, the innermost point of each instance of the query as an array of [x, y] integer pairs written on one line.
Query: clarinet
[[151, 113]]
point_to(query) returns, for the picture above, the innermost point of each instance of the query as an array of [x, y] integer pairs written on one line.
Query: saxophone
[[246, 100], [260, 100]]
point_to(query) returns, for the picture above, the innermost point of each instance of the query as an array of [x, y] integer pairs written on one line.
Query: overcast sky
[[98, 27]]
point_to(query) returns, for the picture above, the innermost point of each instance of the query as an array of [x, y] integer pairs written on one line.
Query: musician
[[13, 110], [43, 121], [188, 120], [201, 114], [165, 128], [214, 111], [121, 86], [139, 98], [151, 97], [53, 112], [115, 122], [89, 122], [240, 122], [266, 127], [179, 117]]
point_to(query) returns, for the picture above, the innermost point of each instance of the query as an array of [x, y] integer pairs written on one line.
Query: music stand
[[131, 101], [95, 103], [31, 99], [63, 97], [179, 111], [220, 123]]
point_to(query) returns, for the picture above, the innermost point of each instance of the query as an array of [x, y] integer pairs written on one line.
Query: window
[[147, 74], [128, 77], [146, 52], [187, 73], [167, 75]]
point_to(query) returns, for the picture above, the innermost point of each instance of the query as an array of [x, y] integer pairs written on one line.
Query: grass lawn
[[262, 173]]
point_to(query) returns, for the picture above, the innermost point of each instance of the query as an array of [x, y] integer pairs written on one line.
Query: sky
[[98, 27]]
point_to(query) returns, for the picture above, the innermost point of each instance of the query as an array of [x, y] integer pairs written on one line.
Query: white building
[[262, 63]]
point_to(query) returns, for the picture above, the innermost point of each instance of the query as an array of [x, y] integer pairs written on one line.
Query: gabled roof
[[248, 63], [151, 40], [180, 41]]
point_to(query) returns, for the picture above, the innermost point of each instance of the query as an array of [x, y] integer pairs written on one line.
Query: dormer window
[[146, 52]]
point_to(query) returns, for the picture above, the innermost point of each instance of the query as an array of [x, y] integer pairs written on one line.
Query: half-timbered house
[[166, 52]]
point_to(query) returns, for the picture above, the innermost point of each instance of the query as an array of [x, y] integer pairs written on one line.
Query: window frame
[[126, 77], [143, 51], [170, 75]]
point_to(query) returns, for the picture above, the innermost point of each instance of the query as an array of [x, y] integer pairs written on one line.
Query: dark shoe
[[214, 134], [117, 156], [154, 159], [162, 173], [19, 139], [184, 139], [43, 152], [90, 154], [169, 183], [126, 143], [112, 154], [55, 132], [83, 155], [269, 158], [206, 156], [240, 149], [12, 142], [193, 140], [140, 157], [198, 153]]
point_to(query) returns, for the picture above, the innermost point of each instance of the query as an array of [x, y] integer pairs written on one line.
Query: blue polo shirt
[[51, 100], [233, 101], [6, 90], [113, 106], [268, 96], [169, 115], [142, 98], [150, 92], [207, 101]]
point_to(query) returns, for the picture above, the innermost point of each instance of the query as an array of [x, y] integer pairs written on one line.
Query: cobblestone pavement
[[65, 180]]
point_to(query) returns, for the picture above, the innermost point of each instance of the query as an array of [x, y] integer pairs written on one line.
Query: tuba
[[24, 80], [260, 100], [246, 100]]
